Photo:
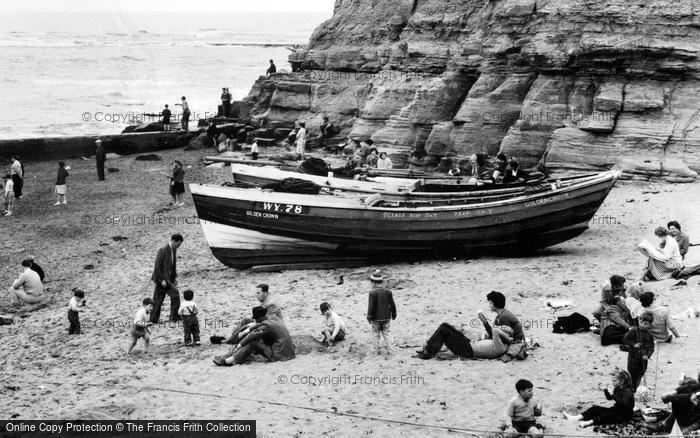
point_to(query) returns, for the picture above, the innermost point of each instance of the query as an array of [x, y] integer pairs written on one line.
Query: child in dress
[[621, 411], [334, 328], [75, 306], [640, 345], [142, 321], [189, 311], [522, 410], [61, 183], [9, 194]]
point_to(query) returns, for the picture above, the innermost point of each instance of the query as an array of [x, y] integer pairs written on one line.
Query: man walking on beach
[[381, 310], [100, 158], [164, 276]]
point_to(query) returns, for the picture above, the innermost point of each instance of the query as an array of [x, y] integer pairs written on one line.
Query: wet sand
[[48, 374]]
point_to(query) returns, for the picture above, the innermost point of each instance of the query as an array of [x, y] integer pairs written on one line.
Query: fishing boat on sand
[[247, 227]]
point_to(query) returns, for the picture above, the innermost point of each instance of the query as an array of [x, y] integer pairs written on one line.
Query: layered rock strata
[[573, 84]]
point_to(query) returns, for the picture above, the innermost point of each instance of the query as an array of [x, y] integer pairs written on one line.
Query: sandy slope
[[47, 374]]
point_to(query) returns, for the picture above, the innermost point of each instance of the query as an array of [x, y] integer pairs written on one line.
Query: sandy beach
[[48, 374]]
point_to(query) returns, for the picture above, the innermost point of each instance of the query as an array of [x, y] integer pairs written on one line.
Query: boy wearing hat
[[381, 310]]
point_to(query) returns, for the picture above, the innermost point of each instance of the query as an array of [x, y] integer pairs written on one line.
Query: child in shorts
[[189, 311], [522, 410], [142, 321]]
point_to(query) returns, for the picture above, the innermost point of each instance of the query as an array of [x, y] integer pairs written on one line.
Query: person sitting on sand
[[685, 408], [266, 300], [632, 294], [620, 412], [615, 322], [661, 262], [270, 339], [522, 410], [674, 229], [36, 268], [28, 287], [610, 294], [142, 321], [334, 328], [663, 326], [493, 346]]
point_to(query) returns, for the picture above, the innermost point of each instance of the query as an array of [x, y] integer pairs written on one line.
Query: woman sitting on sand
[[615, 322], [621, 411], [493, 346], [662, 261]]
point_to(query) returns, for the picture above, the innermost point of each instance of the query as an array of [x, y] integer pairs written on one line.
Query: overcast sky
[[322, 6]]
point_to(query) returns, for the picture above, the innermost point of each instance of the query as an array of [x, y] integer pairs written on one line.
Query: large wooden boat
[[444, 187], [246, 227]]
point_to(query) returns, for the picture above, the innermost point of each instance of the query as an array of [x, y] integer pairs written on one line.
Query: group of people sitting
[[504, 170], [665, 259]]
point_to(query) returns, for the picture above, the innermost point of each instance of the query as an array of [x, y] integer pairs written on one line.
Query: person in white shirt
[[661, 262], [334, 328], [301, 139], [9, 195], [142, 321], [75, 306], [28, 287], [384, 162]]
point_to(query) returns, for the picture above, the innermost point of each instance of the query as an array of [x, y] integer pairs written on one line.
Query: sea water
[[87, 73]]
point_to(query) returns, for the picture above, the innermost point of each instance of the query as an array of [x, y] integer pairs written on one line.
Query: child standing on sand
[[142, 321], [381, 310], [61, 183], [334, 328], [189, 311], [9, 194], [75, 306], [522, 410], [640, 346]]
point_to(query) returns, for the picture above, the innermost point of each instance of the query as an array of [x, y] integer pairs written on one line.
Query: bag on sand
[[573, 323]]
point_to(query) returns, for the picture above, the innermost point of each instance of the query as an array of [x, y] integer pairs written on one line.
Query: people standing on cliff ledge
[[272, 69]]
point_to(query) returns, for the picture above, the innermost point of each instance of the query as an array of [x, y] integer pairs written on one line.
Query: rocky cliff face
[[575, 84]]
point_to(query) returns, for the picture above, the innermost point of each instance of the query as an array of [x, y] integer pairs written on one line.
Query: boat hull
[[245, 227]]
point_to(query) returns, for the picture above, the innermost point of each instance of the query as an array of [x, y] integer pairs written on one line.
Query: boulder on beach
[[148, 157], [202, 141]]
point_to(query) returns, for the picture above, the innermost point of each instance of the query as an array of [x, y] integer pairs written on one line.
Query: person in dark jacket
[[640, 346], [164, 276], [514, 173], [685, 408], [621, 411], [615, 323], [381, 310], [610, 294], [61, 183], [270, 339], [100, 158], [272, 69], [36, 268]]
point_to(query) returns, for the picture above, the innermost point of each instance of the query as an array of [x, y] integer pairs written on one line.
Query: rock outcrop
[[572, 84]]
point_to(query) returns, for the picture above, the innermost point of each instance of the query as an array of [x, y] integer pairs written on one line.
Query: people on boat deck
[[621, 411], [479, 167], [501, 165], [674, 229], [615, 321], [372, 158], [662, 262], [384, 162], [455, 170], [514, 173], [662, 327], [610, 294]]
